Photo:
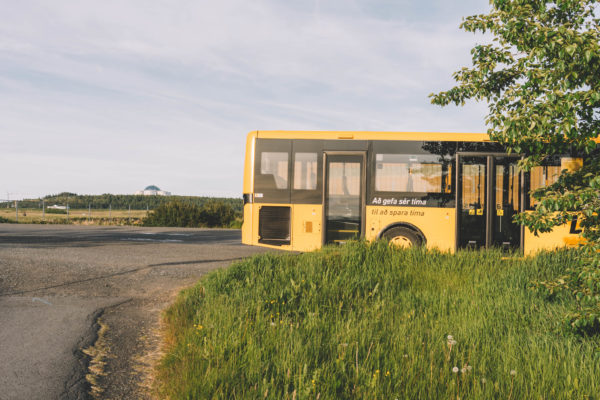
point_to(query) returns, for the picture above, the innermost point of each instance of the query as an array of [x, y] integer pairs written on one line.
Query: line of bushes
[[123, 201], [212, 213]]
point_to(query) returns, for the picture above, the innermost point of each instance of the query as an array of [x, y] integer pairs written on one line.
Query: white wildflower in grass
[[513, 372], [483, 380], [469, 368], [463, 370], [455, 370], [451, 341]]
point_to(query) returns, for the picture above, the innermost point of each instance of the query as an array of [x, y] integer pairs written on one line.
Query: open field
[[76, 216], [368, 321]]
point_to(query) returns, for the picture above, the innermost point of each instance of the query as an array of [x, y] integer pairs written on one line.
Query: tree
[[541, 79]]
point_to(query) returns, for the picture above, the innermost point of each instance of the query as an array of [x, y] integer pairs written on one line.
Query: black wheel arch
[[404, 225]]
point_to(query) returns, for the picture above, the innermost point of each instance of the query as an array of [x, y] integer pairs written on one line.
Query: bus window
[[507, 187], [276, 164], [305, 171], [272, 171], [473, 186], [411, 174], [541, 176], [344, 179]]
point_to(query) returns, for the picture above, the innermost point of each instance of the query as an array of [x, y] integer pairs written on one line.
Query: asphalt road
[[59, 284]]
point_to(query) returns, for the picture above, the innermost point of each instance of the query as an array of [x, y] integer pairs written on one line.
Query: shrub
[[55, 211], [181, 214]]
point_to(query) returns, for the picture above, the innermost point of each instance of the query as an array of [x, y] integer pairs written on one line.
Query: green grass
[[76, 216], [368, 321]]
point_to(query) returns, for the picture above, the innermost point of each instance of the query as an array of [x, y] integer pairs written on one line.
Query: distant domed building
[[153, 191]]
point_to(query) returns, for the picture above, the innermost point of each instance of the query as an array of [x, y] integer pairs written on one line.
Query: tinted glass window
[[344, 179], [410, 173], [474, 184], [305, 171], [272, 171], [541, 176], [275, 164]]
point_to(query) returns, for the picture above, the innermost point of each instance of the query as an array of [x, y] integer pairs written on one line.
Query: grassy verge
[[81, 217], [76, 216], [367, 321]]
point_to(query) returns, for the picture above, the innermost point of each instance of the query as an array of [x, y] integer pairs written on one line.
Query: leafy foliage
[[541, 80], [181, 214]]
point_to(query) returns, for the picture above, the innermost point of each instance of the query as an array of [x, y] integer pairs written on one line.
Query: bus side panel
[[248, 188], [248, 185], [437, 224], [306, 227], [559, 237], [247, 224], [255, 226]]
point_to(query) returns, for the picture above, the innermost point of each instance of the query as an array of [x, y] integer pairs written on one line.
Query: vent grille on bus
[[274, 225]]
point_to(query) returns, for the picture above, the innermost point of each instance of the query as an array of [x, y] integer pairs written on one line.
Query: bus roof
[[371, 135]]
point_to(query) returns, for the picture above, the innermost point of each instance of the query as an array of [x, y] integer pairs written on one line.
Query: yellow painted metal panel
[[306, 226], [437, 224], [247, 224], [249, 163], [365, 135], [559, 237]]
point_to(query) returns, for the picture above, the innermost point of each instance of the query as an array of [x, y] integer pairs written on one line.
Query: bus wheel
[[402, 237]]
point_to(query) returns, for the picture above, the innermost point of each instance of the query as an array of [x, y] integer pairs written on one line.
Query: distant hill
[[123, 201]]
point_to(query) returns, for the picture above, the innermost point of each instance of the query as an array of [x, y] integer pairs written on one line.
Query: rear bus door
[[489, 193]]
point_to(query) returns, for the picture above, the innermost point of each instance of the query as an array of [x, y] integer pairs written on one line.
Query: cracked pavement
[[57, 280]]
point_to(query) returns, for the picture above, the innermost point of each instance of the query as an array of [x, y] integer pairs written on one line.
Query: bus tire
[[401, 236]]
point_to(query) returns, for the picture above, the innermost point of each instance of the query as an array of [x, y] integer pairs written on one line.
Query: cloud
[[175, 84]]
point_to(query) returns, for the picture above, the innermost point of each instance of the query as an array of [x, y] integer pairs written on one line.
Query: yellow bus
[[448, 191]]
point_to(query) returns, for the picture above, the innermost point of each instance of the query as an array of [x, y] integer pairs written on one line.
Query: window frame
[[264, 191], [447, 150], [307, 196]]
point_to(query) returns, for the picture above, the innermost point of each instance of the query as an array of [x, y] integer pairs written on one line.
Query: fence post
[[110, 212], [67, 212], [17, 211], [129, 215], [89, 211], [43, 210]]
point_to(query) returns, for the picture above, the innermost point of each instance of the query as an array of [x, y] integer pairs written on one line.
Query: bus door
[[488, 194], [344, 196]]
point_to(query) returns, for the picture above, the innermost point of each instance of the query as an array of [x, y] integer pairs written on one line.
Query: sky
[[112, 96]]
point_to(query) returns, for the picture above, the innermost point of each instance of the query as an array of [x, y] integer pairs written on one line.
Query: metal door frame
[[363, 189], [489, 181]]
